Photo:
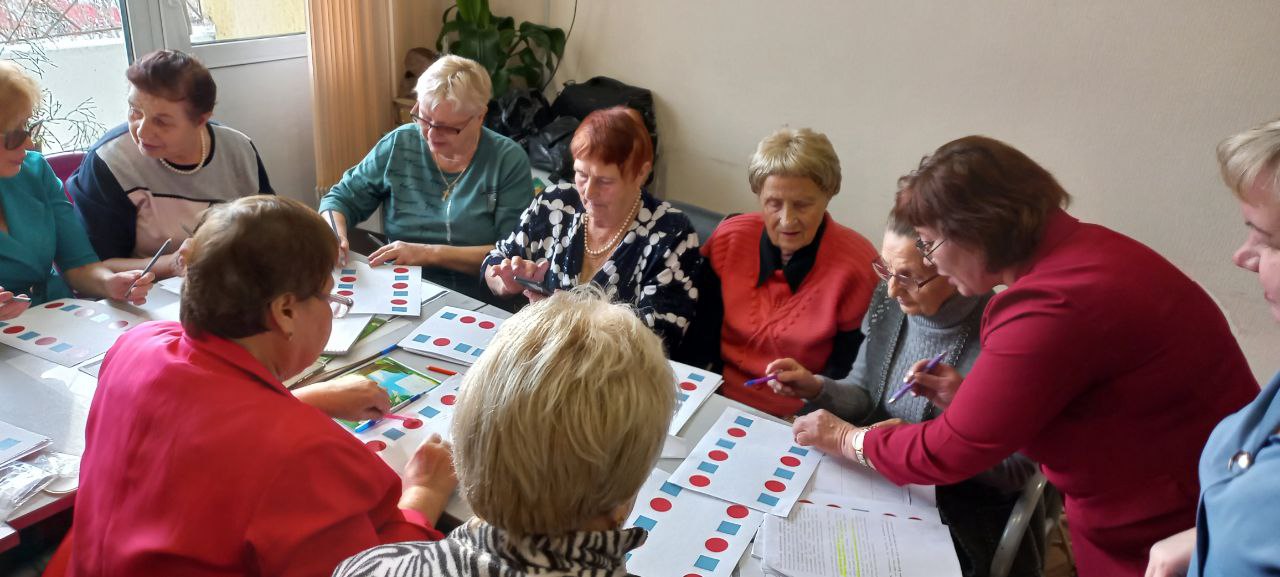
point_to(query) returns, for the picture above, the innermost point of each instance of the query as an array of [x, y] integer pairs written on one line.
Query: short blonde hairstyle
[[562, 418], [1245, 156], [459, 80], [800, 153], [19, 95]]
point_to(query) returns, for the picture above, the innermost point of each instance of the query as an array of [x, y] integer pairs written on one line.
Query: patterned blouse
[[478, 549], [652, 268]]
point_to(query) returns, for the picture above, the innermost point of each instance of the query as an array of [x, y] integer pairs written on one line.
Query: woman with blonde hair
[[557, 426]]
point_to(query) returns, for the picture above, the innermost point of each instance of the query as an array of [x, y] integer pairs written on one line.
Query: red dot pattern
[[699, 481], [346, 293], [45, 341], [399, 302], [718, 455], [401, 270], [717, 545], [467, 320], [441, 342], [53, 305], [413, 423], [15, 329], [688, 386], [660, 505], [119, 325], [736, 432], [486, 324], [790, 461], [400, 285], [449, 399], [348, 279], [775, 486], [375, 445], [737, 511]]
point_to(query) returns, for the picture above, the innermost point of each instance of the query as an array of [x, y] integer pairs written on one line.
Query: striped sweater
[[478, 549]]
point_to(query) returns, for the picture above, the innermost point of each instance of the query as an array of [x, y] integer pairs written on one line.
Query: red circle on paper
[[790, 461], [486, 324], [376, 445], [449, 399], [346, 293], [737, 511], [775, 486], [401, 270], [84, 312], [348, 279], [399, 302], [699, 481], [736, 432], [53, 305], [119, 325], [467, 320], [688, 386], [660, 505], [400, 285], [15, 329], [692, 575], [441, 342], [413, 423], [718, 455], [717, 545], [42, 341]]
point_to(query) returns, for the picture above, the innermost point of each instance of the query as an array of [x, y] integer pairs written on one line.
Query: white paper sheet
[[382, 290], [844, 477], [344, 333], [171, 284], [693, 387], [749, 460], [689, 533], [395, 441], [16, 442], [453, 334], [67, 331], [820, 541], [871, 506], [431, 291]]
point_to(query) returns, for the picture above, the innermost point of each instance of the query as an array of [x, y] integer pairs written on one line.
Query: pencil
[[148, 268]]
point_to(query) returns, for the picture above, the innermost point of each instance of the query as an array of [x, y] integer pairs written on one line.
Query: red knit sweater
[[769, 321]]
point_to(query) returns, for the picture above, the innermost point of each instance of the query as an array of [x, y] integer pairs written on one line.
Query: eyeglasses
[[340, 305], [16, 138], [885, 273], [427, 124], [926, 249]]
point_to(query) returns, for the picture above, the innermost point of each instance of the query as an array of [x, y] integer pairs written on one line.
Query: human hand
[[825, 432], [939, 385], [118, 286], [350, 397], [793, 380], [404, 253], [501, 277], [429, 477], [1171, 556], [12, 305]]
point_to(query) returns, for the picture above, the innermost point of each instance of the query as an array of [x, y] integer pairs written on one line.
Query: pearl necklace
[[586, 220], [204, 151]]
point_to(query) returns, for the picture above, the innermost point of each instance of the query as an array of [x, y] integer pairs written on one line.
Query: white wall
[[1123, 101]]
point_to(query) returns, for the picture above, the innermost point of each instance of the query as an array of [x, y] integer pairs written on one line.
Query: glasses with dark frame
[[427, 124], [340, 305], [16, 138], [885, 273], [927, 249]]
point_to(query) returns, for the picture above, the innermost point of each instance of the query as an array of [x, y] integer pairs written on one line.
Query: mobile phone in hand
[[533, 285]]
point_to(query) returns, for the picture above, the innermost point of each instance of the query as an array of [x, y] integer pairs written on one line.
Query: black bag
[[519, 114], [549, 148], [579, 100]]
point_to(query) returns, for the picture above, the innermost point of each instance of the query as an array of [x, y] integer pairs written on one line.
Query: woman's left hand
[[11, 306], [825, 432], [404, 254], [351, 397], [118, 284]]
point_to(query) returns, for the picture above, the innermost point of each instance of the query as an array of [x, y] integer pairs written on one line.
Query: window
[[229, 20]]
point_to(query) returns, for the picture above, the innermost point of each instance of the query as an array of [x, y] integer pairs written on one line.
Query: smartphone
[[534, 285]]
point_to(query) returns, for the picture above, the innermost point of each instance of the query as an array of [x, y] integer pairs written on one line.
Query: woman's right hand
[[429, 477], [939, 385], [11, 306], [501, 277], [1171, 556], [793, 379]]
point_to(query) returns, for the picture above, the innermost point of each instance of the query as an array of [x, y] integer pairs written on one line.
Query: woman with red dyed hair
[[605, 229]]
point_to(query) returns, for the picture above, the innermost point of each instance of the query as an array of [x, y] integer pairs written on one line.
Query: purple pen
[[933, 364], [760, 381]]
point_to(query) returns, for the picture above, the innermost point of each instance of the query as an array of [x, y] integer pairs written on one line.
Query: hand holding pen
[[934, 380], [789, 378]]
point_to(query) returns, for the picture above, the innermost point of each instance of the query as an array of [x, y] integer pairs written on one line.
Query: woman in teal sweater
[[38, 227]]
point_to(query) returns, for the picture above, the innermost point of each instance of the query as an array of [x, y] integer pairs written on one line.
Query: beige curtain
[[357, 50]]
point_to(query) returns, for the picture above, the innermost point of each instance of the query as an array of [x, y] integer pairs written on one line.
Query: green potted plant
[[525, 55]]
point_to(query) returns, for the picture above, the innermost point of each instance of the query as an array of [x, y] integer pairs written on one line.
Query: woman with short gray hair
[[449, 187], [557, 426]]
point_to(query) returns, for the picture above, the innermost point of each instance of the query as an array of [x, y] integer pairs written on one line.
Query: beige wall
[[1124, 101]]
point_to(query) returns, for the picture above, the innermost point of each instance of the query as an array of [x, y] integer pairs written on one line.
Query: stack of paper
[[346, 331], [453, 334], [16, 442], [818, 541]]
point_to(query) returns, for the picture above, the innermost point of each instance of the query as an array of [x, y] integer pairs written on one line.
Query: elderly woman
[[449, 187], [38, 227], [197, 459], [147, 180], [1235, 525], [788, 281], [608, 231], [915, 313], [1093, 363], [550, 454]]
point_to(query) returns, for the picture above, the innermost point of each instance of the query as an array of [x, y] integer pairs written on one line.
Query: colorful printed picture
[[402, 383]]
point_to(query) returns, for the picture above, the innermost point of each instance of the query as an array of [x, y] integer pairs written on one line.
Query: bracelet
[[858, 454]]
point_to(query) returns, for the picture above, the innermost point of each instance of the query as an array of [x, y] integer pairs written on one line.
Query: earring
[[289, 337]]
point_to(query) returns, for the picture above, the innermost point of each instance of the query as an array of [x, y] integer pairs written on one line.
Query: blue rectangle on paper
[[420, 338], [462, 347], [402, 277], [645, 523], [671, 489], [60, 347], [346, 286], [743, 421], [708, 467], [70, 308], [706, 563], [682, 397], [696, 377], [429, 412], [393, 434], [3, 324], [476, 353], [399, 293], [7, 443], [769, 500], [785, 474], [399, 309], [28, 335], [725, 444], [449, 316], [348, 271], [798, 451], [729, 528]]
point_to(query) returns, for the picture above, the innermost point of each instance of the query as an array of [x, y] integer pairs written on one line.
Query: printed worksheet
[[453, 334], [693, 387], [67, 331], [817, 541], [840, 476], [382, 290], [395, 440]]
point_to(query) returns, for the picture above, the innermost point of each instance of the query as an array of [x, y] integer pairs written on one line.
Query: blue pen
[[933, 364]]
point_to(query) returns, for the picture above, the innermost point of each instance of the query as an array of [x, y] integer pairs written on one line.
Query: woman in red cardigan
[[198, 461], [788, 281], [1101, 361]]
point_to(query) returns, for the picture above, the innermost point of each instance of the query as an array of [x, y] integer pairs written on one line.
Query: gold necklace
[[448, 186], [204, 151], [586, 221]]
